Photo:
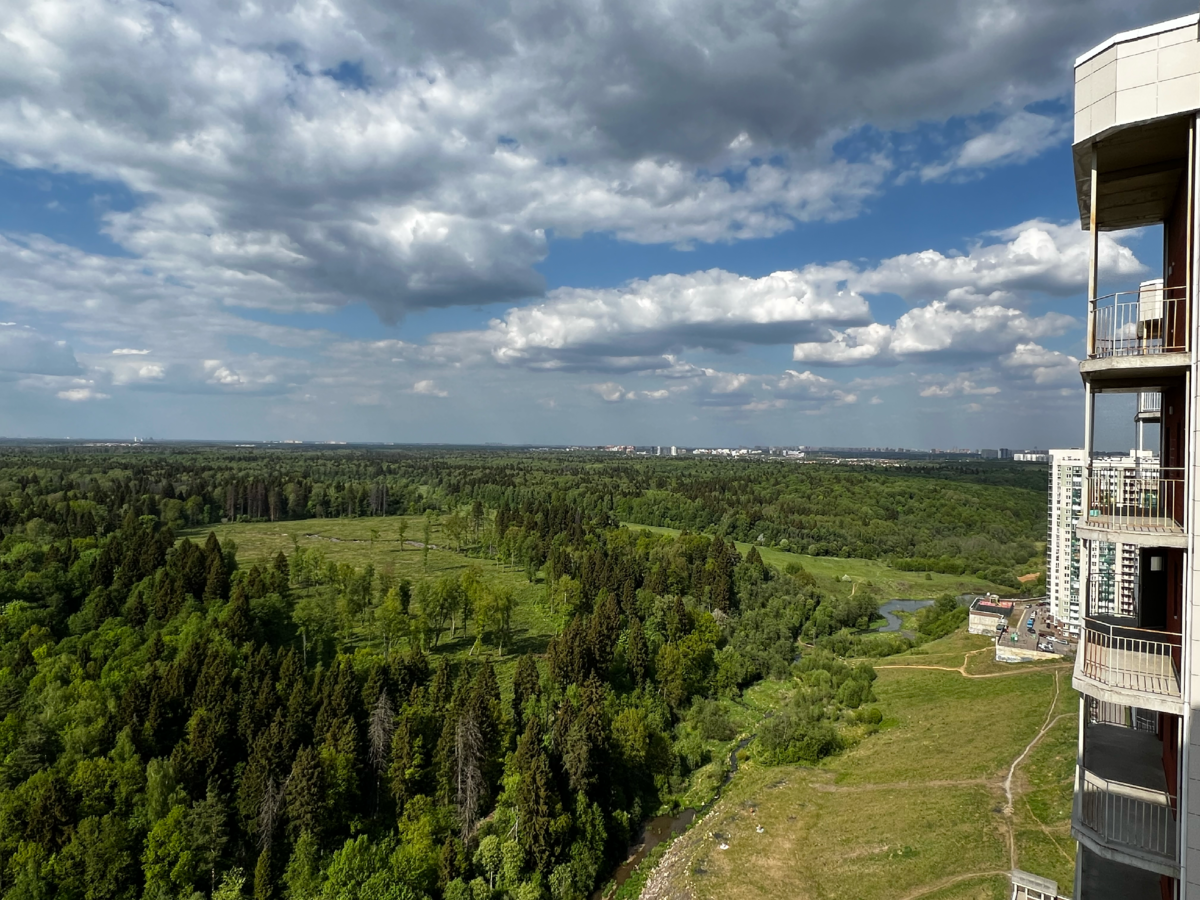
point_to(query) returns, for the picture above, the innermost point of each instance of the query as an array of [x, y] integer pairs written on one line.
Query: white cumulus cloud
[[936, 330], [25, 351], [429, 387], [1018, 137], [632, 327], [79, 395]]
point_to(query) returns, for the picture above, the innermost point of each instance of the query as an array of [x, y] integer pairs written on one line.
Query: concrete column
[[1093, 258], [1189, 783]]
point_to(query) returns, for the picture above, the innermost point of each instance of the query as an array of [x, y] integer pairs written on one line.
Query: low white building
[[987, 616]]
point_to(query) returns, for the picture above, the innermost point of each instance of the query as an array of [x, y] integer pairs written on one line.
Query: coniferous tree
[[637, 653], [216, 578], [238, 624], [264, 882], [603, 630], [585, 748], [265, 770], [379, 739], [207, 827], [526, 684], [538, 803], [407, 759]]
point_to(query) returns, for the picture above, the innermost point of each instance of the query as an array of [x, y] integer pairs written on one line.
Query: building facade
[[1033, 456], [1136, 813], [1063, 510], [988, 616], [1112, 564]]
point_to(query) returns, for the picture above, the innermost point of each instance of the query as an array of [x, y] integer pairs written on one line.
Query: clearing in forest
[[892, 583], [376, 541]]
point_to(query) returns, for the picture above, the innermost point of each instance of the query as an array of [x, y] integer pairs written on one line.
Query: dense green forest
[[978, 519], [175, 722]]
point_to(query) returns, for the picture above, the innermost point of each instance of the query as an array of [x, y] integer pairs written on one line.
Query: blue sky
[[695, 223]]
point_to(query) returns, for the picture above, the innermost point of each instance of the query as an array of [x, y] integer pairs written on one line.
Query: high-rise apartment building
[[1137, 785], [1063, 508], [1112, 565]]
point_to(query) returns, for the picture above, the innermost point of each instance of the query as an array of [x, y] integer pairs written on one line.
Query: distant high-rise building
[[989, 454], [1005, 453], [1034, 456], [1112, 565], [674, 451], [1064, 507]]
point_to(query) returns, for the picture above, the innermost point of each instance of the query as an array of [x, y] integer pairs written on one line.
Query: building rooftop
[[1135, 33], [1149, 78], [993, 607]]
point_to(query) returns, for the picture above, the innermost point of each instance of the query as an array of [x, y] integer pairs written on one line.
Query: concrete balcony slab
[[1134, 372], [1104, 528], [1125, 679], [1124, 754]]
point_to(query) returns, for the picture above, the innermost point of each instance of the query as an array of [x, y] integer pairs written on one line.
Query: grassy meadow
[[892, 583], [915, 811], [376, 541]]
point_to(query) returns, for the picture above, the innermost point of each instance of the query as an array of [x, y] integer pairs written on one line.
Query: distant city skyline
[[708, 224]]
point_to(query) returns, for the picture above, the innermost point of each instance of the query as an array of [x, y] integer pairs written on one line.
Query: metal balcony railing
[[1149, 402], [1100, 712], [1133, 659], [1113, 593], [1150, 320], [1127, 816], [1136, 498]]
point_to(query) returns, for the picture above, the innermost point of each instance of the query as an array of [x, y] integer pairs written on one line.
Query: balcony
[[1106, 879], [1127, 823], [1138, 336], [1129, 666], [1027, 886], [1149, 407], [1136, 504], [1114, 595], [1122, 808]]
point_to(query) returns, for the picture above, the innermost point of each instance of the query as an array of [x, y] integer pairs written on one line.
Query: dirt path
[[947, 882], [1051, 719], [901, 785], [962, 670], [337, 540]]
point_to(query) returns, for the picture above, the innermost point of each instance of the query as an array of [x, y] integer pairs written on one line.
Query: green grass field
[[915, 811], [351, 541], [891, 583]]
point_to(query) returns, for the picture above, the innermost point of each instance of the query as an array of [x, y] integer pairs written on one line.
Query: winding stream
[[663, 828], [888, 611]]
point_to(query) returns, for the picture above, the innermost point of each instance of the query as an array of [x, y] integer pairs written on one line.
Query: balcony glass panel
[[1145, 322]]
